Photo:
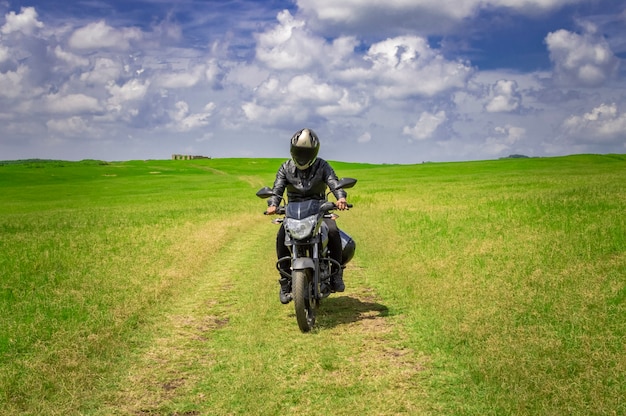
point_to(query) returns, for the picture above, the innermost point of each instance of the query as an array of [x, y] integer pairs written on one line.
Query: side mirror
[[265, 192], [345, 183]]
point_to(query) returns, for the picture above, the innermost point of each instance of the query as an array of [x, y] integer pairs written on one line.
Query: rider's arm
[[332, 181], [280, 183]]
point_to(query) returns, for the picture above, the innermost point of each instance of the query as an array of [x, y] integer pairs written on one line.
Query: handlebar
[[281, 210], [335, 206]]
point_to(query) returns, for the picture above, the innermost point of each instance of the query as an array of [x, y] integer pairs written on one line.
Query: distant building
[[188, 157]]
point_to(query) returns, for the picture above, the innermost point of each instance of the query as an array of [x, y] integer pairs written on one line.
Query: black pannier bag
[[348, 246]]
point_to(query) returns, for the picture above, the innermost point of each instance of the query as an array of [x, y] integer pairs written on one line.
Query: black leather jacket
[[305, 184]]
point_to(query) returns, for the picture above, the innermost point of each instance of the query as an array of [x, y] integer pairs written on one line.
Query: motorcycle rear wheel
[[302, 290]]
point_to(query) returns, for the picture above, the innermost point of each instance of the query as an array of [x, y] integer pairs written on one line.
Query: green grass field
[[478, 288]]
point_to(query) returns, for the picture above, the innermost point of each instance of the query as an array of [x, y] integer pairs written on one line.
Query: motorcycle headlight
[[300, 229]]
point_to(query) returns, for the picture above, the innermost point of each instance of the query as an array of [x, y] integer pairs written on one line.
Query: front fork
[[300, 261]]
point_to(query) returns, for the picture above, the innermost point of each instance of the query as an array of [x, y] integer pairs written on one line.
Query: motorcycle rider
[[305, 176]]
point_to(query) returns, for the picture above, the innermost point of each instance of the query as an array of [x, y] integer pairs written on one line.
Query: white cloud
[[291, 46], [314, 76], [246, 76], [71, 127], [133, 90], [305, 88], [272, 115], [300, 96], [526, 6], [340, 52], [184, 120], [212, 71], [71, 104], [182, 110], [345, 106], [11, 82], [585, 60], [4, 54], [503, 140], [104, 71], [25, 22], [603, 123], [182, 78], [270, 90], [348, 11], [99, 35], [71, 59], [432, 16], [504, 97], [287, 46], [364, 138], [426, 125], [255, 112], [406, 66]]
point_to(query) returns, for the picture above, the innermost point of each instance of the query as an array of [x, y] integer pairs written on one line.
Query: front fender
[[303, 263]]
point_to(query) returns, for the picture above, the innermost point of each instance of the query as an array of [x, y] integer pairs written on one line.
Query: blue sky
[[391, 81]]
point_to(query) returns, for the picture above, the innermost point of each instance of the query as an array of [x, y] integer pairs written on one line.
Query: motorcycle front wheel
[[302, 290]]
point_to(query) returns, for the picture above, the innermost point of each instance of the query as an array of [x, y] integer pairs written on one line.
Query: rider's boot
[[285, 290], [337, 281]]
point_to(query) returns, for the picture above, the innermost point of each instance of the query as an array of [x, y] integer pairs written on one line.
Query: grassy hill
[[148, 288]]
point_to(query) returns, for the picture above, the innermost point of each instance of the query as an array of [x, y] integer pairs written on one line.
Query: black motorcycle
[[306, 235]]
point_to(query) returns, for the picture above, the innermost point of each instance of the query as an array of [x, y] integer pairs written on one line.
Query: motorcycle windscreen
[[300, 210]]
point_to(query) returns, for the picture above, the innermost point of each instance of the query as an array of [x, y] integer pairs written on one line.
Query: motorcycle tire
[[302, 291]]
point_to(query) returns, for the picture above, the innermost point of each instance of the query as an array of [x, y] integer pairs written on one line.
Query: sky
[[393, 81]]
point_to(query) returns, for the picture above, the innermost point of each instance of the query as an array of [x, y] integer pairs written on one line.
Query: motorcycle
[[306, 235]]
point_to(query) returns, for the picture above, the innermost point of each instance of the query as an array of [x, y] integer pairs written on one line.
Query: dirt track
[[229, 328]]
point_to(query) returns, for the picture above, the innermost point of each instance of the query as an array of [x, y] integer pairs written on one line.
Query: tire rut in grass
[[175, 357], [232, 332]]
